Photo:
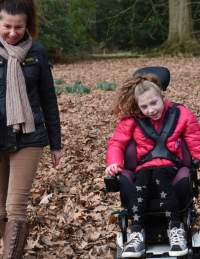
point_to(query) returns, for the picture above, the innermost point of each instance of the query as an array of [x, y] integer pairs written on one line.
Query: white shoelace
[[135, 239], [176, 236]]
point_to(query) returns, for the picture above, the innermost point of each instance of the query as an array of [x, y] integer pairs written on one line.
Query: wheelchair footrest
[[196, 239], [160, 249]]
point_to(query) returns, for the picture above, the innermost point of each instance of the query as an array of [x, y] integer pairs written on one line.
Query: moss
[[191, 47]]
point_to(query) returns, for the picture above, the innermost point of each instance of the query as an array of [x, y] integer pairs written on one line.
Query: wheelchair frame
[[112, 185], [159, 250]]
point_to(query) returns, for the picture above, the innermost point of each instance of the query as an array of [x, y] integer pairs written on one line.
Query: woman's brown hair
[[27, 7], [126, 104]]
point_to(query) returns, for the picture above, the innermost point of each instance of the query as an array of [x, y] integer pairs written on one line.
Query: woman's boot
[[2, 226], [14, 239], [2, 230]]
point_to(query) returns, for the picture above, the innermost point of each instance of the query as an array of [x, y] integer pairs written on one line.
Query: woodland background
[[97, 44], [85, 27]]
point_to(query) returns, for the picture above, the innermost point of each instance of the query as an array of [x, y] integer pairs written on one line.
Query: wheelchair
[[155, 221]]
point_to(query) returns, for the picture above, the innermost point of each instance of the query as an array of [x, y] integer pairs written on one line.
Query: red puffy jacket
[[187, 128]]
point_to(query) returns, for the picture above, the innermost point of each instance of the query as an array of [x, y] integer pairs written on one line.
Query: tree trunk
[[181, 34]]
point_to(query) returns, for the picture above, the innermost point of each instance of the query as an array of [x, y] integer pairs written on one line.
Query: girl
[[143, 108], [29, 118]]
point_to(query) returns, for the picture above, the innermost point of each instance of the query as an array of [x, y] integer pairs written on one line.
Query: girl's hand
[[113, 169], [55, 157]]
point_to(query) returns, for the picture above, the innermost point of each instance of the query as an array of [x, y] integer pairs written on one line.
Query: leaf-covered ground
[[68, 208]]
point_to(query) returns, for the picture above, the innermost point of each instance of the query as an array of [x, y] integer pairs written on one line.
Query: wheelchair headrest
[[162, 73]]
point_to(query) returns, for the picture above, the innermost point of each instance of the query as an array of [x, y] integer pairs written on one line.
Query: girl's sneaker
[[178, 243], [135, 246]]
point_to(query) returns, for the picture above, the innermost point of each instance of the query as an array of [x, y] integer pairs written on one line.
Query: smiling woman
[[12, 27], [29, 118]]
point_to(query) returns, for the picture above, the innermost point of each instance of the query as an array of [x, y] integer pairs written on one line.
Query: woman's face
[[12, 27], [151, 104]]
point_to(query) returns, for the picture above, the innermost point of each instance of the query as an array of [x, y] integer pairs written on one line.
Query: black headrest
[[162, 73]]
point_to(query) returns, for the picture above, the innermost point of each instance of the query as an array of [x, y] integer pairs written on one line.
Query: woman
[[29, 118]]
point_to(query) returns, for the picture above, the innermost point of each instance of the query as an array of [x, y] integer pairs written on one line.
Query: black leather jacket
[[42, 98]]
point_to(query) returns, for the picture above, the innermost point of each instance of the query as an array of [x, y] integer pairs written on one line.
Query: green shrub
[[106, 86], [78, 88], [56, 31], [59, 89], [59, 81], [65, 26]]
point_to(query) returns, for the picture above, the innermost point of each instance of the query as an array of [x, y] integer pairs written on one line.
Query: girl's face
[[12, 27], [151, 104]]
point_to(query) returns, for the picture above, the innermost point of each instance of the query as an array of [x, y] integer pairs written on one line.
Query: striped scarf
[[18, 109]]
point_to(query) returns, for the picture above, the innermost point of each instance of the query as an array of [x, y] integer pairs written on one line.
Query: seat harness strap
[[160, 149]]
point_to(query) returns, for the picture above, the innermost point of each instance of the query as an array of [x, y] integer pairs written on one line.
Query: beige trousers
[[17, 171]]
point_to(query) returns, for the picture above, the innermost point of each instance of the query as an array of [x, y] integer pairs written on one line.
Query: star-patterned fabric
[[161, 179]]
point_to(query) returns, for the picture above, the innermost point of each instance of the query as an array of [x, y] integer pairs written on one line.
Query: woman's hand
[[113, 169], [55, 157]]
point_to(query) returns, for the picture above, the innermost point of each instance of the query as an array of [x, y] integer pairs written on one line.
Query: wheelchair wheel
[[124, 224], [118, 252], [191, 255], [195, 254]]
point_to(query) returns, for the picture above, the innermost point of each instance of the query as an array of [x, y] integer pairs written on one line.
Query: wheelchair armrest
[[111, 183], [195, 178]]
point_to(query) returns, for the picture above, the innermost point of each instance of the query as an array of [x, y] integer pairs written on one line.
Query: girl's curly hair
[[126, 103]]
